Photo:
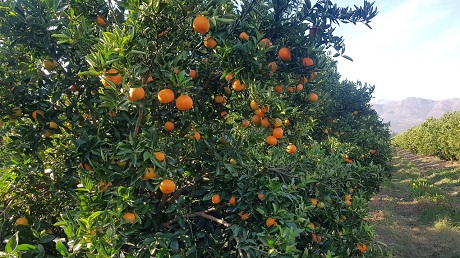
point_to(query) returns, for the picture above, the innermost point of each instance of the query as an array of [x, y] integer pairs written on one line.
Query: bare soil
[[399, 219]]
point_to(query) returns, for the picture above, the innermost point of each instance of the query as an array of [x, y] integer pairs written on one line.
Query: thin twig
[[138, 123]]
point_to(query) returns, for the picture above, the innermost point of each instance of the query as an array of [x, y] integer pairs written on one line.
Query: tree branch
[[138, 123]]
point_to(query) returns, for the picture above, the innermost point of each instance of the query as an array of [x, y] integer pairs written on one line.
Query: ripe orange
[[245, 123], [256, 119], [73, 88], [100, 21], [284, 54], [166, 96], [136, 94], [149, 174], [270, 222], [314, 237], [277, 132], [210, 42], [112, 75], [279, 88], [277, 122], [169, 126], [372, 151], [361, 247], [347, 202], [219, 99], [129, 217], [260, 196], [103, 186], [160, 156], [314, 201], [184, 102], [347, 197], [265, 122], [201, 24], [244, 35], [272, 66], [307, 61], [271, 140], [291, 148], [22, 221], [312, 75], [37, 112], [148, 80], [299, 87], [259, 112], [113, 114], [238, 86], [196, 135], [229, 76], [232, 200], [223, 114], [254, 105], [167, 186], [303, 80], [312, 97], [311, 225], [215, 199], [286, 122], [291, 89], [47, 134], [265, 43], [193, 74], [243, 215]]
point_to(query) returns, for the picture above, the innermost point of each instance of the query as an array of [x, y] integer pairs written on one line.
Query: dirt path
[[417, 212]]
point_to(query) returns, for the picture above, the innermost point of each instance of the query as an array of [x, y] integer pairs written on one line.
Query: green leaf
[[25, 248], [347, 57], [12, 243]]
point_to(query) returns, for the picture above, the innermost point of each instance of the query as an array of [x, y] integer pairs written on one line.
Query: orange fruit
[[291, 89], [355, 113], [347, 202], [279, 88], [303, 80], [232, 161], [265, 122], [272, 66], [129, 217], [184, 102], [299, 87], [22, 221], [113, 114], [347, 197], [277, 132], [245, 123], [277, 122], [167, 186], [284, 54], [149, 174], [47, 134], [136, 94], [243, 215], [169, 126], [201, 24], [271, 140], [254, 105], [311, 225], [210, 42], [73, 88], [229, 76], [244, 35], [259, 112], [307, 61], [270, 222], [238, 86], [37, 112], [314, 201], [52, 125], [166, 96], [265, 43], [219, 99], [103, 186], [148, 80], [160, 156], [193, 74], [312, 97], [312, 75], [256, 119], [260, 196], [223, 114], [291, 148], [112, 75], [100, 21], [232, 200], [196, 135], [314, 237], [215, 199], [372, 151], [361, 247], [286, 122]]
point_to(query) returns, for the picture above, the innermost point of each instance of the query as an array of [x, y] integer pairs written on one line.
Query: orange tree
[[183, 128]]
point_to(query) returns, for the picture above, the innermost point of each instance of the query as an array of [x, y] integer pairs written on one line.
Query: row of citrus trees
[[170, 129], [435, 137]]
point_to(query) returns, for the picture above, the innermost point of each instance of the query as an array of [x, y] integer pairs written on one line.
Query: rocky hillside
[[406, 113]]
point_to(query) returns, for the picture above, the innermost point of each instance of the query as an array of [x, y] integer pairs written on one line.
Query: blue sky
[[413, 49]]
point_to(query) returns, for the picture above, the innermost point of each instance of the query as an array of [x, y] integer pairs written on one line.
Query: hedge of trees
[[436, 137], [184, 129]]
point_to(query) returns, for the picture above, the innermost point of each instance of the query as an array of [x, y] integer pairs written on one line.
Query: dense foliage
[[435, 137], [270, 154]]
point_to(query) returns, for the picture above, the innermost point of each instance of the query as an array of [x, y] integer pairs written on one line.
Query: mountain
[[409, 112]]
